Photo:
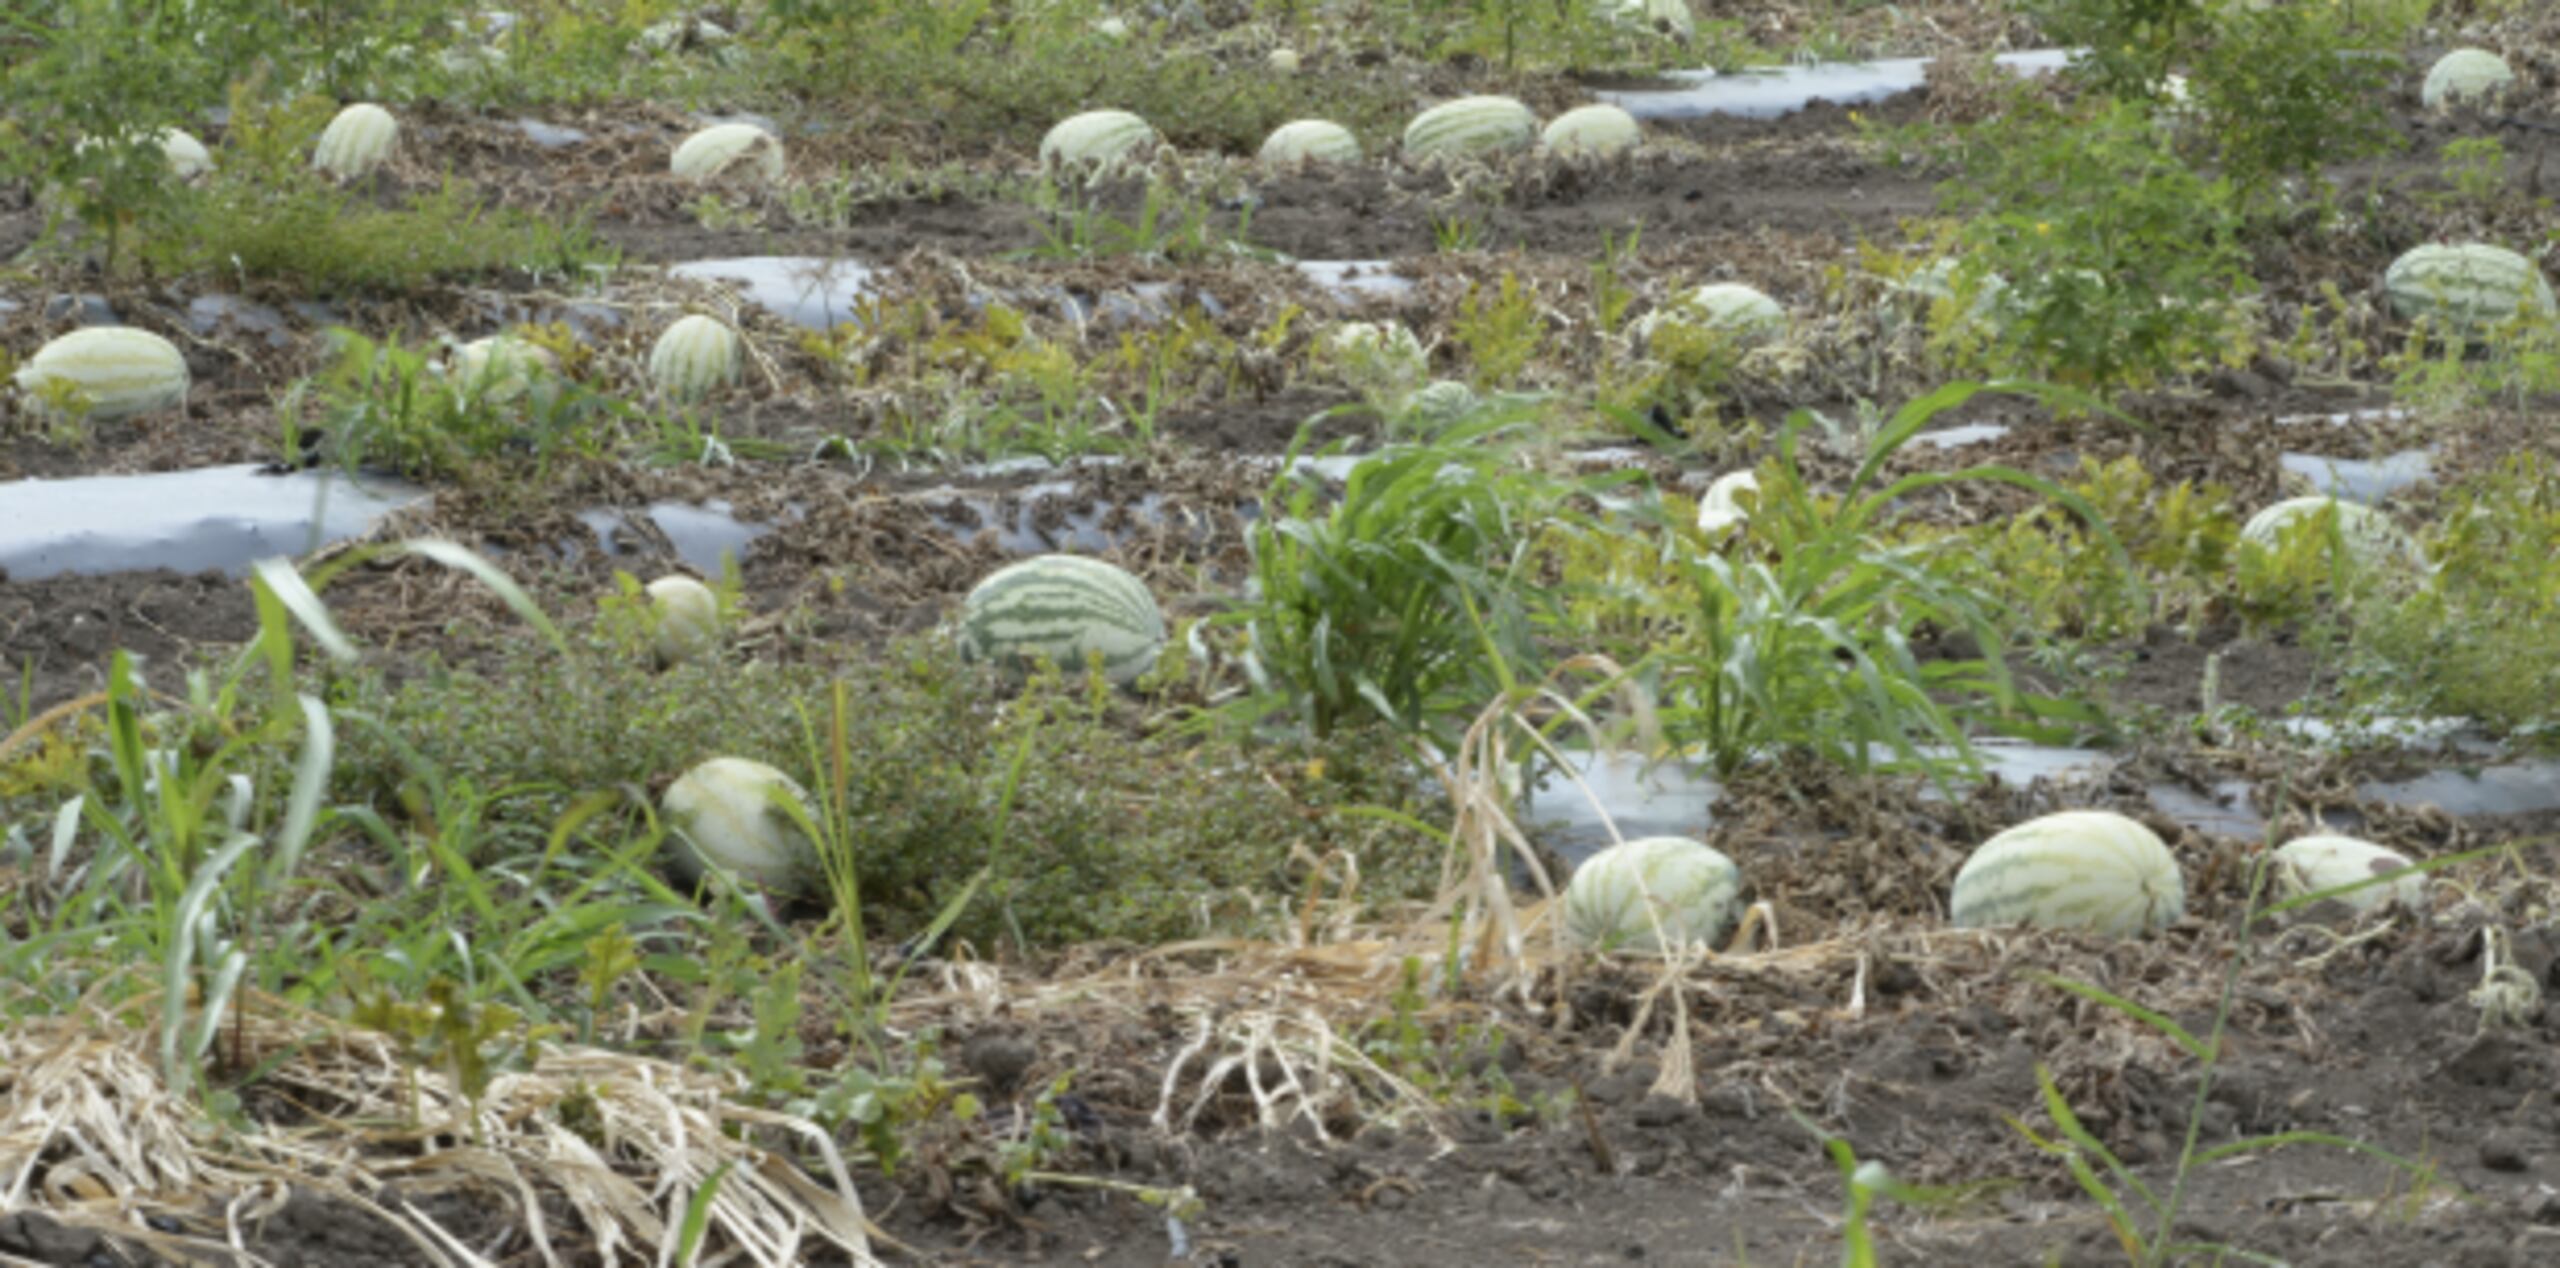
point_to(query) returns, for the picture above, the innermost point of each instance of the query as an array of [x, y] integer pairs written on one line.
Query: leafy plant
[[87, 105], [1799, 636], [2119, 259], [1403, 598], [1501, 332]]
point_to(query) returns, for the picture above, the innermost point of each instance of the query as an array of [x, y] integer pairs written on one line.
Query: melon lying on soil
[[724, 148], [1470, 125], [1663, 17], [1310, 141], [356, 142], [2465, 76], [501, 368], [685, 618], [693, 356], [2466, 288], [2370, 537], [1633, 896], [726, 811], [1062, 608], [1096, 138], [107, 372], [1723, 507], [2325, 861], [1592, 131], [2091, 870], [1727, 307]]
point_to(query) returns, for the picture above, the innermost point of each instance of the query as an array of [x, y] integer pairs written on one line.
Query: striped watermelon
[[117, 371], [1096, 138], [1310, 141], [356, 142], [693, 356], [722, 148], [1062, 608], [725, 811], [2466, 288], [1618, 896], [2465, 76], [1592, 131], [2081, 869], [685, 616], [502, 368], [1470, 125], [2307, 864], [2370, 536]]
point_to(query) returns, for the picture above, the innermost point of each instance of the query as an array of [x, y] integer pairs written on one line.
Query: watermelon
[[501, 368], [1310, 140], [1470, 125], [2466, 288], [2465, 76], [188, 158], [1439, 403], [1096, 138], [728, 147], [1619, 896], [2091, 870], [1062, 608], [2325, 861], [2370, 536], [693, 356], [114, 371], [1380, 359], [1723, 507], [1662, 17], [725, 812], [1936, 284], [356, 142], [1729, 307], [684, 616], [1592, 131]]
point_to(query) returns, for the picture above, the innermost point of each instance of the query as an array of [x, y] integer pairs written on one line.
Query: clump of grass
[[1107, 832], [2473, 638], [311, 235]]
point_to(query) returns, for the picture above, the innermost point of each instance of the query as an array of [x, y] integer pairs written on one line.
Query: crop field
[[1279, 632]]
